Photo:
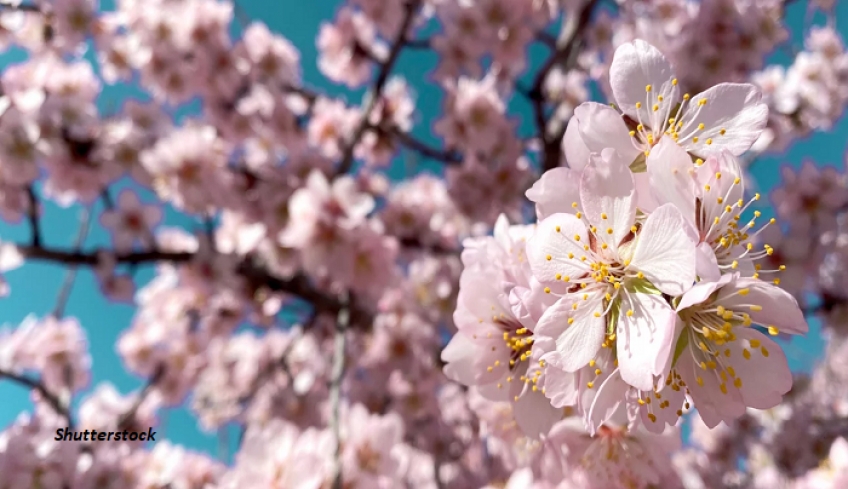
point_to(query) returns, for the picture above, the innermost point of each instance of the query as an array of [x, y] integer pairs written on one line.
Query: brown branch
[[32, 216], [51, 399], [566, 48], [298, 285], [337, 375], [409, 141], [124, 422], [23, 7], [71, 274], [375, 93]]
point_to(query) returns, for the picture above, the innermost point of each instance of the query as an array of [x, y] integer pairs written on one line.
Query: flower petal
[[767, 304], [553, 250], [607, 193], [644, 339], [664, 251], [576, 152], [582, 339], [634, 67], [607, 401], [602, 127], [534, 413], [671, 173], [733, 116], [555, 191], [763, 373]]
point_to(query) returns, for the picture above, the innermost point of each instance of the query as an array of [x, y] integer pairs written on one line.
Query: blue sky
[[35, 286]]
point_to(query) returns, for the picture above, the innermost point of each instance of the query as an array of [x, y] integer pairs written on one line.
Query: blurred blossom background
[[807, 129]]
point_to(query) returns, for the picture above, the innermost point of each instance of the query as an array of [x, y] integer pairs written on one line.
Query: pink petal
[[779, 308], [607, 401], [576, 152], [602, 127], [555, 191], [534, 413], [607, 189], [702, 290], [671, 172], [764, 372]]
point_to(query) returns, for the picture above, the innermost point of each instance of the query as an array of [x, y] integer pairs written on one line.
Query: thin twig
[[336, 385], [51, 399], [409, 141], [71, 274], [126, 418], [567, 46], [32, 216], [375, 93]]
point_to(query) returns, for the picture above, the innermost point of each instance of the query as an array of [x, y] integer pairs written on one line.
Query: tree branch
[[71, 274], [409, 141], [337, 375], [51, 399], [32, 216], [125, 420], [257, 276], [565, 55], [375, 93]]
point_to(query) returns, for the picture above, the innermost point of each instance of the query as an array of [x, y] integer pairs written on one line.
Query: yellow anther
[[576, 237], [737, 382], [764, 352], [723, 388], [558, 276], [558, 229], [638, 105], [570, 320], [701, 126], [548, 258], [590, 384], [700, 381], [773, 331], [723, 132], [598, 371], [640, 275], [674, 81], [746, 354], [633, 229], [647, 88], [699, 161], [686, 96], [632, 133], [756, 308], [709, 141], [702, 102], [737, 180], [547, 290], [603, 215], [695, 139], [656, 107], [652, 417], [597, 314]]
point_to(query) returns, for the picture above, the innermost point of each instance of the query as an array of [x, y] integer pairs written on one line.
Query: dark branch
[[125, 421], [566, 48], [32, 216], [45, 394], [409, 141], [375, 94]]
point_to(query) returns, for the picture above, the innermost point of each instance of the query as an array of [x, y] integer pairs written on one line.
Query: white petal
[[581, 340], [664, 251], [736, 109], [635, 66], [555, 239], [644, 340]]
